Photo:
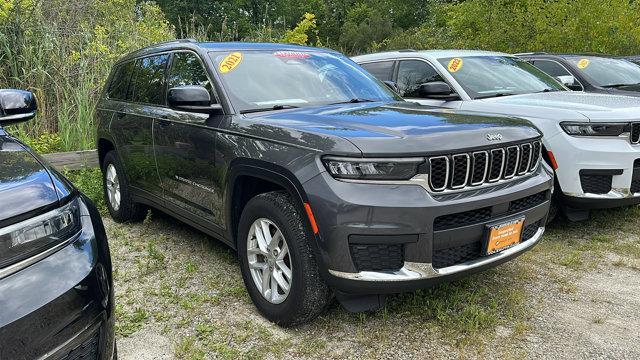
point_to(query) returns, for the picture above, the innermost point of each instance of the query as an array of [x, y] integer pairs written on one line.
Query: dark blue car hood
[[403, 127], [26, 185]]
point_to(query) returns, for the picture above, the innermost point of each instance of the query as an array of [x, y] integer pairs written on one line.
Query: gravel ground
[[179, 294]]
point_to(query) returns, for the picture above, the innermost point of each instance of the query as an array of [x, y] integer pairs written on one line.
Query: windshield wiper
[[547, 90], [618, 85], [494, 95], [353, 101], [274, 107]]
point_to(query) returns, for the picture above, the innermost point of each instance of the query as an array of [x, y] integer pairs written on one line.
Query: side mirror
[[393, 86], [16, 106], [192, 98], [437, 90], [569, 81]]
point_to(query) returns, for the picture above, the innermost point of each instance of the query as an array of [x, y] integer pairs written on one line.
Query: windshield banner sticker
[[455, 64], [230, 62], [291, 55], [583, 63]]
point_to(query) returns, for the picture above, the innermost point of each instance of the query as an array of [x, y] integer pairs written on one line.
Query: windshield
[[491, 76], [607, 72], [272, 80]]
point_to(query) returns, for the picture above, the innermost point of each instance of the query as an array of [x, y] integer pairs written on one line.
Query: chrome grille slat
[[494, 155], [465, 170], [454, 168], [536, 154], [446, 174], [524, 164], [476, 156], [634, 136], [509, 160]]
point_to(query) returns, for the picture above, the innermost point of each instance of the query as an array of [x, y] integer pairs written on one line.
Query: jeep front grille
[[466, 170], [635, 133]]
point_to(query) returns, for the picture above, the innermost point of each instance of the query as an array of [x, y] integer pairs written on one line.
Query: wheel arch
[[248, 178]]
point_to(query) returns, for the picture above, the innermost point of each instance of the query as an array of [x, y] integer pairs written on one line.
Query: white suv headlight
[[595, 129]]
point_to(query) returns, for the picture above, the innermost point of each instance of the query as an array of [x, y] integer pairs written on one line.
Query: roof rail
[[532, 53], [407, 50]]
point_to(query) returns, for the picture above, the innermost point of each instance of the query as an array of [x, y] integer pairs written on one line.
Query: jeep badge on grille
[[494, 137]]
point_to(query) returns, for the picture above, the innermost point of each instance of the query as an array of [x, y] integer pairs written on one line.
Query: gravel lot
[[180, 295]]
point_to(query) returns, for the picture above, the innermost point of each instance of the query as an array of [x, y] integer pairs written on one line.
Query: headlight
[[372, 169], [30, 237], [595, 129]]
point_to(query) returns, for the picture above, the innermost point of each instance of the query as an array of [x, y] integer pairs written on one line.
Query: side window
[[120, 81], [147, 85], [381, 70], [186, 69], [412, 74], [552, 68]]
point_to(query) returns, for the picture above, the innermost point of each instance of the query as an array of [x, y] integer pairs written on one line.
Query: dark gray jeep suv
[[323, 180]]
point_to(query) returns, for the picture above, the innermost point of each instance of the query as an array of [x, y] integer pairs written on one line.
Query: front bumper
[[62, 305], [596, 172], [350, 214]]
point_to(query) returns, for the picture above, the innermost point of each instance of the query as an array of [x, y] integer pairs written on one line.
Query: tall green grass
[[63, 51]]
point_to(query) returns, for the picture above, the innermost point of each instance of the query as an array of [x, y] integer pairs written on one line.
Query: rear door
[[185, 147], [133, 124]]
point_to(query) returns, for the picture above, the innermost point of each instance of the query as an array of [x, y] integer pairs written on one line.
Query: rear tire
[[116, 191], [304, 295]]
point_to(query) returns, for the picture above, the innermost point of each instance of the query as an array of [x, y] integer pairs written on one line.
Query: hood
[[568, 105], [25, 184], [403, 128]]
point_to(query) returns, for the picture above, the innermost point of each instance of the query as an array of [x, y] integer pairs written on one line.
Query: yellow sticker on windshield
[[583, 63], [230, 62], [454, 65]]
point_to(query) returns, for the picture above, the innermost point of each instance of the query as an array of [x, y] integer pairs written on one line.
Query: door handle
[[164, 123]]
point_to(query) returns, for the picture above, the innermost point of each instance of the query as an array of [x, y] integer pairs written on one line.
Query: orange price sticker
[[583, 63], [455, 64], [230, 62]]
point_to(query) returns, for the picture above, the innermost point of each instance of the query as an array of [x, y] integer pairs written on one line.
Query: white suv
[[591, 140]]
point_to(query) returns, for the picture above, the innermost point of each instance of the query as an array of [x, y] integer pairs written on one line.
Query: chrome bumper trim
[[418, 271], [611, 195]]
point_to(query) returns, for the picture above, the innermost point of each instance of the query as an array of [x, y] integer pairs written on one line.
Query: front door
[[185, 147], [413, 73]]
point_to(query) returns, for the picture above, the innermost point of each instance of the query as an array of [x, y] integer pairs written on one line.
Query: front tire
[[116, 191], [278, 265]]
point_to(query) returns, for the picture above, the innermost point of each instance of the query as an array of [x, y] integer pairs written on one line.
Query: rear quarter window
[[382, 70], [117, 89]]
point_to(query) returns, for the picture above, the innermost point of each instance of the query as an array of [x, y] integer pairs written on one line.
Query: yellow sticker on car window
[[583, 63], [454, 65], [230, 62]]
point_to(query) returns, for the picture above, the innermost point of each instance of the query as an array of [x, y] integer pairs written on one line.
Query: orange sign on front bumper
[[504, 235]]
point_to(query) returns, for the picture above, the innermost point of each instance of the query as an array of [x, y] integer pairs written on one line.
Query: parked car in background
[[321, 178], [590, 140], [56, 288], [589, 72]]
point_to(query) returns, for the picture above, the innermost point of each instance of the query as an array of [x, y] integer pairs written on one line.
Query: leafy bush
[[45, 143]]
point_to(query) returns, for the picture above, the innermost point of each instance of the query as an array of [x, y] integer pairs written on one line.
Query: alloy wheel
[[269, 260], [113, 187]]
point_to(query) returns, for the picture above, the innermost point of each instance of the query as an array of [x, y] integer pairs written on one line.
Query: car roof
[[218, 46], [563, 55], [434, 54]]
